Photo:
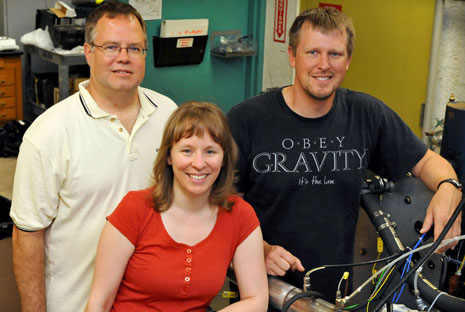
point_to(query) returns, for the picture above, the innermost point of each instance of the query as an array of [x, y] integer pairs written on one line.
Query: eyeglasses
[[114, 49]]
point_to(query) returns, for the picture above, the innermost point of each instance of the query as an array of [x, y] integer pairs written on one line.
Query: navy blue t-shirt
[[303, 175]]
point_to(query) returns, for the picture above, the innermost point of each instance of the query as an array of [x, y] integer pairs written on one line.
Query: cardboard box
[[56, 95], [74, 84], [61, 9], [73, 88]]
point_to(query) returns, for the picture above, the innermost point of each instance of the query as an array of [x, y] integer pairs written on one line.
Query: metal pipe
[[433, 67], [382, 223], [280, 292]]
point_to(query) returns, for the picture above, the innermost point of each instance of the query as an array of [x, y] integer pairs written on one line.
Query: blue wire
[[407, 266]]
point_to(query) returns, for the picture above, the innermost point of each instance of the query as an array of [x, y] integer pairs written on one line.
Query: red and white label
[[280, 18], [184, 42]]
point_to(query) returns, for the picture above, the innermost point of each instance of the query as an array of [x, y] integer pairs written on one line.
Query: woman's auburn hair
[[194, 118]]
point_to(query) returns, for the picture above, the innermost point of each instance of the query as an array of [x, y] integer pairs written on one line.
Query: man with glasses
[[79, 158]]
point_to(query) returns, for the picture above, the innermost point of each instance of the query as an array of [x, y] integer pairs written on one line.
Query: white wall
[[21, 15], [451, 72], [276, 69]]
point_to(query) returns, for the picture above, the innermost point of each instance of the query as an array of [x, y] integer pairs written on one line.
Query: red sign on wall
[[336, 6], [280, 18]]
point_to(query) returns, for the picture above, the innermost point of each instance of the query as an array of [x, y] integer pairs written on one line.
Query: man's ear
[[291, 56], [88, 52], [348, 62]]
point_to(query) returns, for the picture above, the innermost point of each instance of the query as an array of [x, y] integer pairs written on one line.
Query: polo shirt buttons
[[112, 119], [120, 129], [133, 156]]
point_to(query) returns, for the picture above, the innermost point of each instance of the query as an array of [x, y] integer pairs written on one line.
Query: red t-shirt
[[163, 275]]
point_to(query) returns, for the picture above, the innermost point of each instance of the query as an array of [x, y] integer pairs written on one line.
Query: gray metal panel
[[2, 18]]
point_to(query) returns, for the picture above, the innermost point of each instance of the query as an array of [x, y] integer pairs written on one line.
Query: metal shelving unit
[[62, 60]]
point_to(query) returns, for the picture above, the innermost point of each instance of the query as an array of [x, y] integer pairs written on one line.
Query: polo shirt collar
[[91, 108]]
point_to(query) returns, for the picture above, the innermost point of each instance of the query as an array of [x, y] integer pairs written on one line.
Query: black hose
[[425, 257], [445, 302], [442, 278], [381, 222], [305, 294]]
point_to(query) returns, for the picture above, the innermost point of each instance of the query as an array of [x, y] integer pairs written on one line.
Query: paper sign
[[184, 28], [280, 18], [185, 42]]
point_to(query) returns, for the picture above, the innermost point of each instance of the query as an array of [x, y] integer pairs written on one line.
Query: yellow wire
[[461, 264], [392, 269], [379, 248], [376, 293], [373, 271]]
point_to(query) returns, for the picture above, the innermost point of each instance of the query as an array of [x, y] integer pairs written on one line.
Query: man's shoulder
[[257, 104], [158, 99], [356, 95], [56, 118], [359, 100]]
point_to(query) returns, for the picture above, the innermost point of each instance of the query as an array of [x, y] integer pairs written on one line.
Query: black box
[[46, 18], [63, 32], [67, 36], [44, 83], [168, 53]]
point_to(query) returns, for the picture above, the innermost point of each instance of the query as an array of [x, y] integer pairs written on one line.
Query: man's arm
[[431, 170], [278, 260], [29, 269]]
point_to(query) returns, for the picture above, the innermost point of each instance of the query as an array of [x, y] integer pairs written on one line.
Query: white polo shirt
[[75, 164]]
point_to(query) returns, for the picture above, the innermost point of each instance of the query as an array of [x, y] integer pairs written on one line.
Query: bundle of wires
[[406, 269], [380, 284], [382, 281], [434, 247], [389, 267], [385, 273]]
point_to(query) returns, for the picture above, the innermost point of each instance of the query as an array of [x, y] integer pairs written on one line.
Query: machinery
[[396, 211], [453, 144], [425, 280]]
